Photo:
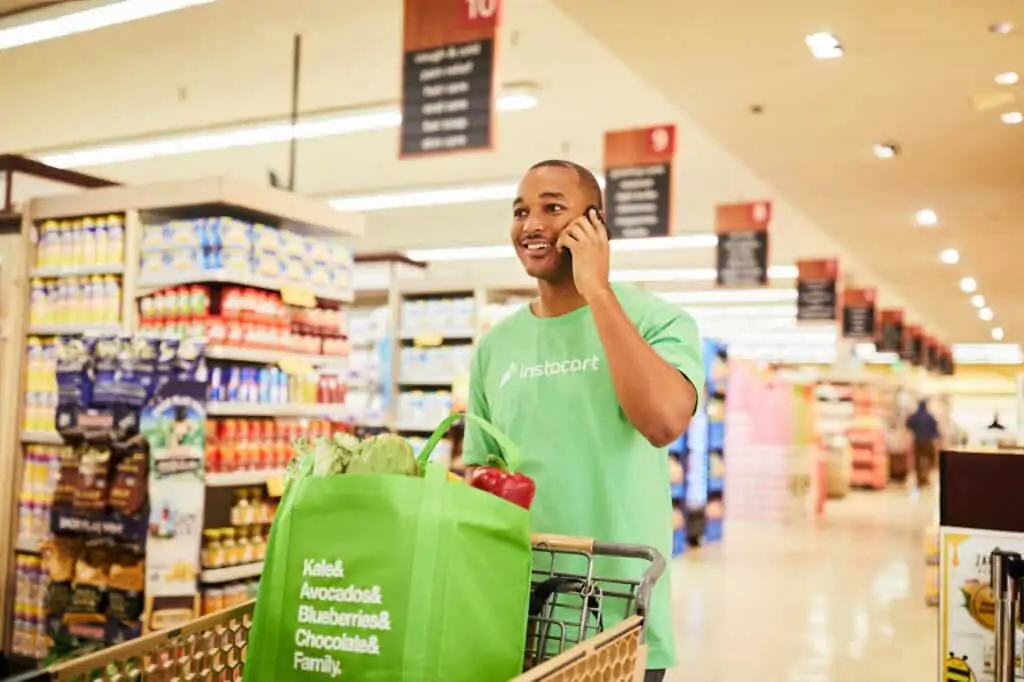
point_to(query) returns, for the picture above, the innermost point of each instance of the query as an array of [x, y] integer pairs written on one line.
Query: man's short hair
[[586, 179]]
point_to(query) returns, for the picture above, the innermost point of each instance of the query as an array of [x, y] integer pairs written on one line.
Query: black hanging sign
[[859, 313], [448, 76], [816, 290], [638, 181], [741, 257]]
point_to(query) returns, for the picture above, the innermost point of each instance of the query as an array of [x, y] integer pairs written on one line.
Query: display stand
[[697, 461], [259, 273], [771, 469], [979, 511]]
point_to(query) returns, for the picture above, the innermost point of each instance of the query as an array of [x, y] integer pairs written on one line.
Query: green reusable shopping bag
[[383, 577]]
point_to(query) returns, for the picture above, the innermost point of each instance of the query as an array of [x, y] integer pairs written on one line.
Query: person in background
[[924, 432], [593, 382]]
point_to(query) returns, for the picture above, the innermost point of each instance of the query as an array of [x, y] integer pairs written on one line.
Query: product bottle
[[45, 256], [115, 239], [88, 242], [77, 244], [102, 241], [38, 308], [112, 299], [64, 245]]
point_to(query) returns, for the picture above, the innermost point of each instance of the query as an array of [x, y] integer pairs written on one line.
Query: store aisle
[[841, 602]]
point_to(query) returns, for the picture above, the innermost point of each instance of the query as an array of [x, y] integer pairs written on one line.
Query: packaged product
[[74, 381], [129, 487], [127, 581], [91, 493], [67, 481], [90, 582]]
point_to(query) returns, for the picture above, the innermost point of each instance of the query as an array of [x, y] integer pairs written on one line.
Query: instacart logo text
[[550, 368]]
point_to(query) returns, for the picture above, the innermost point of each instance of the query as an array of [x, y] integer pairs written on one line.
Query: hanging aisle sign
[[741, 257], [638, 181], [448, 76], [931, 354], [890, 332], [816, 294], [859, 313], [913, 345]]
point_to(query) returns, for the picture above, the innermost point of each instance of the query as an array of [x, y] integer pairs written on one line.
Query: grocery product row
[[429, 315], [81, 301], [232, 246], [234, 383], [80, 243], [244, 317], [224, 547], [432, 366], [233, 445]]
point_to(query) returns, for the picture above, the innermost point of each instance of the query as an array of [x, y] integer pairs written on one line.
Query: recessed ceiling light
[[1000, 27], [886, 150], [926, 217], [824, 45], [1007, 78], [985, 313], [997, 334], [978, 301], [1012, 118], [968, 285], [950, 256]]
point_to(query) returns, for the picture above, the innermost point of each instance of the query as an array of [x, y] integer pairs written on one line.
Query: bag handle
[[509, 451]]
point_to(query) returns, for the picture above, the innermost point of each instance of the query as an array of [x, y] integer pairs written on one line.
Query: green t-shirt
[[544, 382]]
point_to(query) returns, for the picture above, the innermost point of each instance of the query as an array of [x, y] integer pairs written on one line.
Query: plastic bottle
[[77, 244], [115, 239], [111, 299], [38, 304], [45, 251], [64, 249], [102, 239], [88, 242]]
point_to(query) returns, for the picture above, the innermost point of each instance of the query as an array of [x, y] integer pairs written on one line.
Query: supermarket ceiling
[[908, 76]]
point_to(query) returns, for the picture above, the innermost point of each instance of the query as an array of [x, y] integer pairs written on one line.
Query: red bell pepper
[[496, 479]]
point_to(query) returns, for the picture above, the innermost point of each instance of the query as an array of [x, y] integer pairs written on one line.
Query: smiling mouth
[[535, 247]]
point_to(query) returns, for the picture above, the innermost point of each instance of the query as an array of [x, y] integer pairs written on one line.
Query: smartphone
[[600, 218]]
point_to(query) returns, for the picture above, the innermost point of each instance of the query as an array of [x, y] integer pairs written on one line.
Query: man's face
[[548, 199]]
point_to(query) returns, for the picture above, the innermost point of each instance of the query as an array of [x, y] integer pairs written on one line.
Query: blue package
[[217, 388], [234, 384], [106, 358], [265, 382]]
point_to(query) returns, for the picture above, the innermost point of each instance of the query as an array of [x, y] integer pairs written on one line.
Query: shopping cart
[[566, 639]]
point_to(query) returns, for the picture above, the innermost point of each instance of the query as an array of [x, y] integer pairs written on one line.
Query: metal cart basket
[[566, 637]]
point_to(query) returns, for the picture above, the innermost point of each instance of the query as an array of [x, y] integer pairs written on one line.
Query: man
[[924, 433], [592, 382]]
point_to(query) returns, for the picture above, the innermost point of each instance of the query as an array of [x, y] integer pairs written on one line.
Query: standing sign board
[[741, 257], [638, 181], [448, 76], [816, 292], [890, 332], [859, 313]]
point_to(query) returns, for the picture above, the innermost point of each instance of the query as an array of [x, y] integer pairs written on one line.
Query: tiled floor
[[838, 601]]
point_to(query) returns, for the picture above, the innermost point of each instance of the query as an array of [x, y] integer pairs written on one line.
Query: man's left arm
[[656, 372]]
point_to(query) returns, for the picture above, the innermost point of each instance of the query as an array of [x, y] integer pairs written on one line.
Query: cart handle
[[592, 547]]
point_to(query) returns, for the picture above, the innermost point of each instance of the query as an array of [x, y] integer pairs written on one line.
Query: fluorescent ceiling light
[[978, 301], [950, 256], [354, 121], [824, 45], [730, 296], [441, 196], [968, 285], [985, 314], [997, 333], [1012, 118], [1001, 28], [743, 312], [1007, 78], [987, 353], [885, 150], [462, 253], [926, 217], [112, 14], [775, 272]]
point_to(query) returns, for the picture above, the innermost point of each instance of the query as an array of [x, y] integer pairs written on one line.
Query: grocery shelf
[[270, 356], [41, 438], [82, 271], [426, 382], [150, 282], [241, 478], [72, 329], [334, 412], [212, 576]]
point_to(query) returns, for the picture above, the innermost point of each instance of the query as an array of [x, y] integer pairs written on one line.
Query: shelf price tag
[[297, 295], [428, 340], [295, 366], [275, 485]]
